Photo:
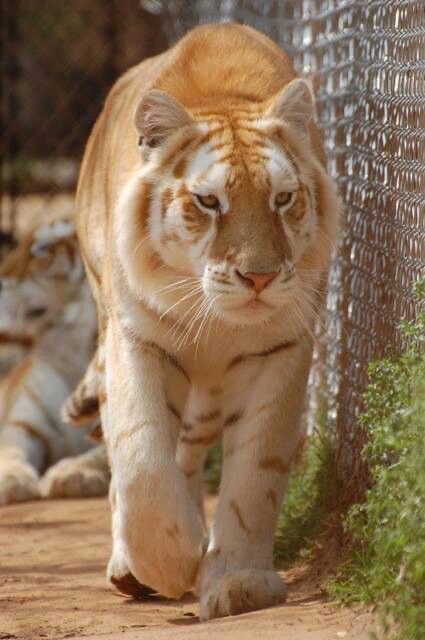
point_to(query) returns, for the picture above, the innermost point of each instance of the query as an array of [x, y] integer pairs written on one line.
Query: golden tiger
[[206, 220], [46, 305]]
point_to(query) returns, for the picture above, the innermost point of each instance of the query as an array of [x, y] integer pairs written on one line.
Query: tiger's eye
[[35, 312], [283, 198], [210, 201]]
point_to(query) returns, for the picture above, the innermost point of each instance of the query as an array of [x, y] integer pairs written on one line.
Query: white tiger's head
[[231, 207], [37, 278]]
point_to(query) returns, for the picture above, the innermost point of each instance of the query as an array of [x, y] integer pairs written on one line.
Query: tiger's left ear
[[157, 116], [294, 104]]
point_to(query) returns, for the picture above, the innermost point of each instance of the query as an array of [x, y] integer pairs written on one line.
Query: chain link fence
[[366, 62]]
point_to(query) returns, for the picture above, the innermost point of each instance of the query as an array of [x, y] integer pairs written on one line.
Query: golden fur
[[206, 220]]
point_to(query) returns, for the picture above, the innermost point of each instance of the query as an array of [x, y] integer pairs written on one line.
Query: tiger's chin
[[251, 313]]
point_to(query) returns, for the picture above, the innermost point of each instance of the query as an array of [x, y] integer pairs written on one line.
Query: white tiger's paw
[[164, 546], [18, 482], [241, 591], [121, 577], [74, 478]]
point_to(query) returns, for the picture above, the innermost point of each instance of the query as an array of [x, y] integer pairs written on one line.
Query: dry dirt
[[52, 585]]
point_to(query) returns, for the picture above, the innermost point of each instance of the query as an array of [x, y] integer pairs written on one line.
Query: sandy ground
[[52, 585]]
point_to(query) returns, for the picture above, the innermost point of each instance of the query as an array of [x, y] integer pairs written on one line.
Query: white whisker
[[179, 301], [197, 338], [198, 314], [174, 328], [140, 244], [179, 283]]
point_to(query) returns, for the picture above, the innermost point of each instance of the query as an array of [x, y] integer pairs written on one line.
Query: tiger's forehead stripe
[[236, 112], [222, 155], [203, 157], [210, 164]]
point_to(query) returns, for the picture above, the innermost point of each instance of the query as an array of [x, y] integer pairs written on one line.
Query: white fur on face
[[29, 304], [232, 300], [185, 250], [281, 172], [26, 307], [206, 175]]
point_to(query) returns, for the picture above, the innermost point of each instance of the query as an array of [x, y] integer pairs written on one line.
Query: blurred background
[[366, 62]]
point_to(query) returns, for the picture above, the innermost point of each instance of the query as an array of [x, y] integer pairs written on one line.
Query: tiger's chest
[[216, 392]]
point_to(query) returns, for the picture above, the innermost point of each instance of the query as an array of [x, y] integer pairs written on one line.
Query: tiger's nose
[[257, 281]]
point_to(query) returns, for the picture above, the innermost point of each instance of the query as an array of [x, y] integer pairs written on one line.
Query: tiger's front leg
[[160, 528], [22, 457], [259, 446]]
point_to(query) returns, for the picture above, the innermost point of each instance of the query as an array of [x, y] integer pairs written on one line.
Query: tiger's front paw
[[167, 555], [163, 542], [18, 482], [121, 577], [75, 477], [79, 409], [241, 591]]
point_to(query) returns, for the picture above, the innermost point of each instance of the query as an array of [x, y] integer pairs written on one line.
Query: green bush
[[312, 488], [212, 473], [387, 562]]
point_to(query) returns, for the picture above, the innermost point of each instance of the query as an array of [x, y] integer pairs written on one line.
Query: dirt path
[[52, 585]]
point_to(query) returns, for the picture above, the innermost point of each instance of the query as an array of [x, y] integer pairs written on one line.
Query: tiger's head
[[37, 278], [232, 212]]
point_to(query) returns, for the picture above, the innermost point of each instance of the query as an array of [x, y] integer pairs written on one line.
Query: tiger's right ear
[[294, 104], [157, 116]]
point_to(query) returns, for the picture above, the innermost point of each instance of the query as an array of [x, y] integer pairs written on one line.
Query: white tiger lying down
[[46, 305]]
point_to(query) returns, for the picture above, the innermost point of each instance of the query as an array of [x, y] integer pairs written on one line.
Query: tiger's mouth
[[254, 304], [252, 311], [10, 338]]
